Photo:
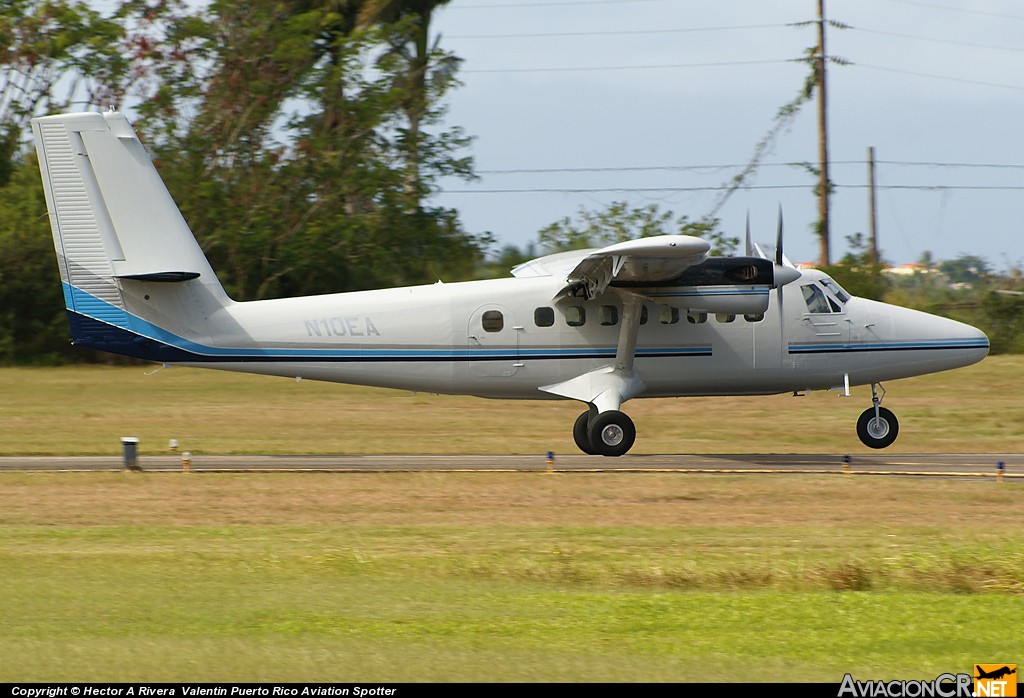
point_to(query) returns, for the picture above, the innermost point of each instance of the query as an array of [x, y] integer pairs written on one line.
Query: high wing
[[671, 269], [588, 274], [649, 260]]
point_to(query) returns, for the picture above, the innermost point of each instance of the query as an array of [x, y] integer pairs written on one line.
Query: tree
[[619, 222], [298, 142], [293, 173], [502, 262], [428, 74], [966, 269], [858, 272], [46, 45], [33, 326], [1002, 318]]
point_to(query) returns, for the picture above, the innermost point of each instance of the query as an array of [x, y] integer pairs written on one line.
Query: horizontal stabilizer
[[162, 276]]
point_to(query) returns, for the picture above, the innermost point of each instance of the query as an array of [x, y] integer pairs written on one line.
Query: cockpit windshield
[[835, 289]]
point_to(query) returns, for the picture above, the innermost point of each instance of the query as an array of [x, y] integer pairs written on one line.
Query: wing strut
[[632, 305], [606, 388]]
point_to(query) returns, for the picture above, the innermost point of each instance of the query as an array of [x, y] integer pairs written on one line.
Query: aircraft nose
[[980, 341], [973, 344]]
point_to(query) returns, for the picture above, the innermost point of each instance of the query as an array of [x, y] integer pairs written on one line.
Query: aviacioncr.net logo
[[943, 686], [995, 680]]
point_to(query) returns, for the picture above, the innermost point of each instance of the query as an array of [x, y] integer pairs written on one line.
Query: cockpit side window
[[815, 299]]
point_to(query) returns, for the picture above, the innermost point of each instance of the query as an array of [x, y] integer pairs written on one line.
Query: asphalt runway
[[978, 465]]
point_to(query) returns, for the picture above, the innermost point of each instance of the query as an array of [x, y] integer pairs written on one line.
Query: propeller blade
[[784, 273], [750, 245], [778, 240], [783, 335], [781, 279]]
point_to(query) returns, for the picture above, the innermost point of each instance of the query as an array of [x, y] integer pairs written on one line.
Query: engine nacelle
[[732, 285], [733, 300]]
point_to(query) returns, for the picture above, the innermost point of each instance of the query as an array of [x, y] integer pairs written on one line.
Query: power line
[[738, 27], [558, 3], [940, 77], [617, 32], [728, 166], [949, 164], [628, 190], [958, 9], [938, 41], [584, 69]]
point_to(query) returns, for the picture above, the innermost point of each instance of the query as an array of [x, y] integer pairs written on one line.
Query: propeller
[[778, 240], [750, 245], [785, 273]]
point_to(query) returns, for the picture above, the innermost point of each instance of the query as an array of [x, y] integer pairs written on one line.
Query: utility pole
[[872, 205], [823, 178]]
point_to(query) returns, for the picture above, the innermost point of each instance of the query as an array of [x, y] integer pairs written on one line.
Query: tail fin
[[130, 266]]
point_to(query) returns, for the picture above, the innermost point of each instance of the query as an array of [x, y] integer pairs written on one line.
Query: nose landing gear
[[877, 426]]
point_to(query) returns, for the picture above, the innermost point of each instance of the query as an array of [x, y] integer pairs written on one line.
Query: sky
[[577, 104]]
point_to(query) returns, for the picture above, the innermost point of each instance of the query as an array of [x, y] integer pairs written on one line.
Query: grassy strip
[[85, 410], [533, 577]]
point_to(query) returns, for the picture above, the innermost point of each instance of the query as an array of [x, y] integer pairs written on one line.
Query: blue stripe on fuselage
[[153, 343], [888, 346]]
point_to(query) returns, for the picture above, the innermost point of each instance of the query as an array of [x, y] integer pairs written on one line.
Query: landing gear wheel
[[611, 433], [581, 434], [877, 432]]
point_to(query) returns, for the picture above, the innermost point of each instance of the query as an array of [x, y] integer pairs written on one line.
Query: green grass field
[[85, 410], [498, 577], [529, 577]]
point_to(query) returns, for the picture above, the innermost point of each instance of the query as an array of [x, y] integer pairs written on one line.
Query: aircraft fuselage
[[436, 338]]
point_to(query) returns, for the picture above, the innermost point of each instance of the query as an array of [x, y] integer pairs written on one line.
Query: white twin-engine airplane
[[654, 317]]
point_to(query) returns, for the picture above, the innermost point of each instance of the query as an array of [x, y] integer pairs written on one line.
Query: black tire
[[880, 433], [612, 433], [581, 434]]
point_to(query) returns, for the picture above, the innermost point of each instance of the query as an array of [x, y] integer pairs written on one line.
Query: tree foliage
[[619, 222], [302, 141], [858, 271]]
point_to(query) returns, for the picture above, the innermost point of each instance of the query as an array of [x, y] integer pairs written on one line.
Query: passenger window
[[695, 318], [544, 317], [815, 299], [493, 321], [724, 318], [608, 315], [668, 315], [643, 314], [575, 316], [754, 318]]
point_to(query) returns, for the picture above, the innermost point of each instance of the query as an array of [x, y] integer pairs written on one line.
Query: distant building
[[910, 269]]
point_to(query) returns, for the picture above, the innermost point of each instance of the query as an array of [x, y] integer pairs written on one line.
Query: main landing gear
[[877, 426], [609, 433]]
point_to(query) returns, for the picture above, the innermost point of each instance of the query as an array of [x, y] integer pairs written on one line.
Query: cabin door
[[493, 342]]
